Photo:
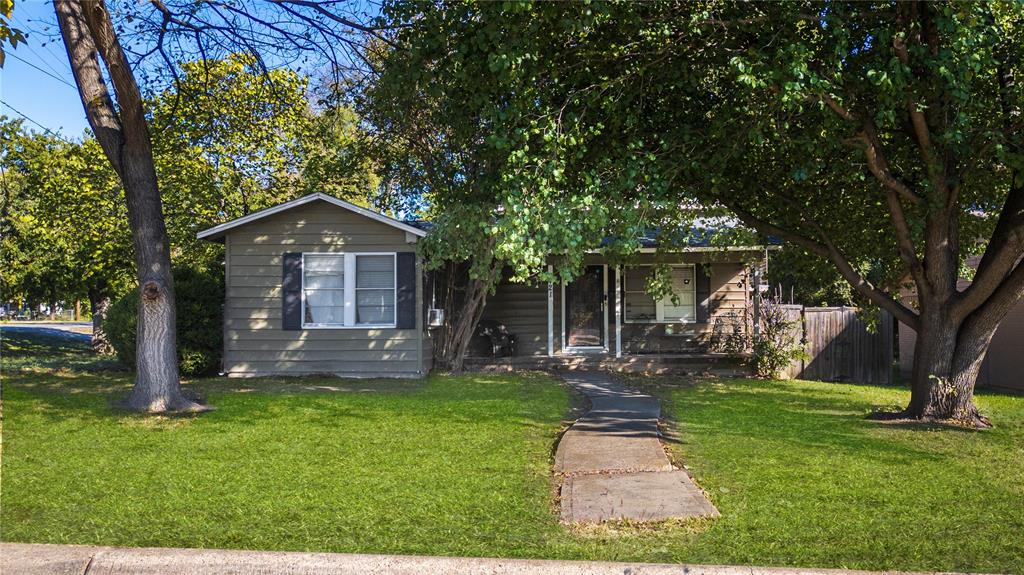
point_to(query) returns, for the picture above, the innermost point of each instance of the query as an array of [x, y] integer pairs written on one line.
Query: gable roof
[[216, 233]]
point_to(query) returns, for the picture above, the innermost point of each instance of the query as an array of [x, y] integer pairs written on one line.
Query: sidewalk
[[29, 559], [613, 464]]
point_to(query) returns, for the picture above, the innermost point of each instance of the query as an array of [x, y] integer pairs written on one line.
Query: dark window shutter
[[702, 275], [406, 274], [291, 292]]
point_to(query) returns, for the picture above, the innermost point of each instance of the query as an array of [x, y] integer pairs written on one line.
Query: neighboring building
[[1003, 367], [321, 286], [318, 285]]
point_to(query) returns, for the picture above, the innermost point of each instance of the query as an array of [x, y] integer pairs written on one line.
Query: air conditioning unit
[[435, 317]]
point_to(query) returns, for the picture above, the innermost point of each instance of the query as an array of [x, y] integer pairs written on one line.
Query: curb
[[44, 559]]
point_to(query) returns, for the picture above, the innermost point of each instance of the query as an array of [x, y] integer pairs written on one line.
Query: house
[[1003, 367], [318, 285]]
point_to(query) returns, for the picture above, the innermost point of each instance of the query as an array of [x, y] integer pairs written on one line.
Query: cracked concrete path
[[613, 463]]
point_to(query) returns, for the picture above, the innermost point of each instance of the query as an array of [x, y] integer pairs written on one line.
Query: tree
[[121, 130], [63, 212], [876, 136], [231, 139], [226, 143], [91, 37]]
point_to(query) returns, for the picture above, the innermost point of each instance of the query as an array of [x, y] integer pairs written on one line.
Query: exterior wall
[[523, 309], [728, 304], [255, 344], [1003, 366]]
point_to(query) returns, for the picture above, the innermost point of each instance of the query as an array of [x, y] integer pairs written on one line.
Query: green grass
[[461, 466], [802, 478], [33, 351]]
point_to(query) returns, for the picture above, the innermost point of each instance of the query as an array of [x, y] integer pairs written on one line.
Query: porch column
[[618, 311], [754, 286], [551, 316]]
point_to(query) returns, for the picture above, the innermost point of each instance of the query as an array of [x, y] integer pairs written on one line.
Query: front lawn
[[461, 466]]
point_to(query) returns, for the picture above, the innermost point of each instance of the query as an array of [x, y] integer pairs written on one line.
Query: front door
[[584, 308]]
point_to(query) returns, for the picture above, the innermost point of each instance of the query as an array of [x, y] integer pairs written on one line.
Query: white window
[[348, 290], [640, 307], [323, 290], [375, 289]]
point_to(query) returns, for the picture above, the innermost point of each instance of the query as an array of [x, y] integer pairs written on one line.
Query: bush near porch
[[460, 466]]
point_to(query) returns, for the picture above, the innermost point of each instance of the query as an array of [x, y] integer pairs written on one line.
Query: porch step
[[725, 365]]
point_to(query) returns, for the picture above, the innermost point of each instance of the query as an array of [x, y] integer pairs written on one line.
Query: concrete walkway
[[27, 559], [613, 464]]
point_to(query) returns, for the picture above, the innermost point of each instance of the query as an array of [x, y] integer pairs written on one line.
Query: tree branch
[[986, 317], [828, 250], [340, 20], [921, 131], [85, 64], [1004, 250], [879, 166]]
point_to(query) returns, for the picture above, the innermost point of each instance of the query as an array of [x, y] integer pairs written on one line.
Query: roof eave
[[216, 233]]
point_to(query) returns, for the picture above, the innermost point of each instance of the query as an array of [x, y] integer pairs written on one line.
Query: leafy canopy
[[567, 123]]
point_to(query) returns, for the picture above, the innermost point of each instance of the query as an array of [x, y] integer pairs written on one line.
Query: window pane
[[683, 287], [375, 306], [636, 278], [639, 307], [679, 312], [325, 306], [324, 271], [375, 271]]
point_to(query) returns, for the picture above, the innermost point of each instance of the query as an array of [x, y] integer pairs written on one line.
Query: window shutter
[[291, 292], [406, 275], [702, 274]]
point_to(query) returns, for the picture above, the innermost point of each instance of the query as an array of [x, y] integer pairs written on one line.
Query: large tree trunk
[[469, 316], [99, 302], [124, 136], [947, 360], [53, 303]]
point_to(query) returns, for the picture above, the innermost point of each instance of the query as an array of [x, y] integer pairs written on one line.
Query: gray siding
[[255, 344], [524, 309]]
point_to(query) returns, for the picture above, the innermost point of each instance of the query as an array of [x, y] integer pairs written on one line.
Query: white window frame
[[349, 289], [659, 305]]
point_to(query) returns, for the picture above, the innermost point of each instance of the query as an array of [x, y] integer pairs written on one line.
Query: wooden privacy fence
[[840, 347]]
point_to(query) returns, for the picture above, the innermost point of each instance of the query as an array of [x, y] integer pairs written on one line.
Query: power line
[[50, 74], [45, 129], [46, 61]]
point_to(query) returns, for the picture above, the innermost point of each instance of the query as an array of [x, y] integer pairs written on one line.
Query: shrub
[[778, 344], [200, 300]]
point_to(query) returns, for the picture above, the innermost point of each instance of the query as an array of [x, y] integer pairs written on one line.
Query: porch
[[605, 319]]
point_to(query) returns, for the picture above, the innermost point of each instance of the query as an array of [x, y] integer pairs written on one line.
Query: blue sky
[[45, 93]]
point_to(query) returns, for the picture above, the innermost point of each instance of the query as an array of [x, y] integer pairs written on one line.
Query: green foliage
[[778, 343], [63, 217], [809, 280], [231, 139], [228, 140], [199, 295], [558, 125], [8, 34]]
